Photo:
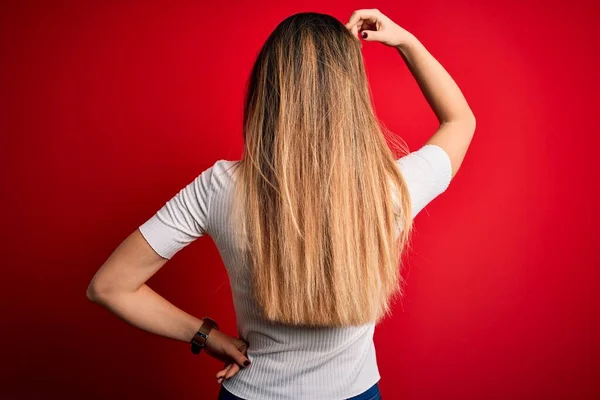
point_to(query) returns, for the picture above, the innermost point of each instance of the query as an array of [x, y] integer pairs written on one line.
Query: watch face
[[201, 336], [199, 339]]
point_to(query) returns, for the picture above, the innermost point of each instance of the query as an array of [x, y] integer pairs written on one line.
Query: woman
[[311, 223]]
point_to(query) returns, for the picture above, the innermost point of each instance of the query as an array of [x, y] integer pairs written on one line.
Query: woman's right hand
[[232, 350], [373, 26]]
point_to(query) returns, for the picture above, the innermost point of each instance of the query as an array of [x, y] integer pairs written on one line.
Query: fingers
[[238, 356], [370, 36], [227, 372], [235, 353], [370, 16], [232, 371], [221, 374]]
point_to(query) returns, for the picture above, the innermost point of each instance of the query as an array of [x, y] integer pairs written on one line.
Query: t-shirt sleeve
[[182, 219], [427, 172]]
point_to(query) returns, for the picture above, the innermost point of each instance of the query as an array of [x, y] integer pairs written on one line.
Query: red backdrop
[[109, 109]]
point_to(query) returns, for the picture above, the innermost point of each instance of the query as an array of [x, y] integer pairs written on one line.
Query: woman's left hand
[[228, 349]]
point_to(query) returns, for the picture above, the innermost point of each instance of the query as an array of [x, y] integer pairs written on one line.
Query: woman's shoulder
[[226, 167], [223, 173]]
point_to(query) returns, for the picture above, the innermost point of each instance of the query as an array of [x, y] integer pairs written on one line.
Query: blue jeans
[[370, 394]]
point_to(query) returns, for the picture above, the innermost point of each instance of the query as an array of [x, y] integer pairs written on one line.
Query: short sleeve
[[427, 172], [182, 219]]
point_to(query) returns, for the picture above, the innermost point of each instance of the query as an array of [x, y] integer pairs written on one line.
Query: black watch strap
[[200, 338]]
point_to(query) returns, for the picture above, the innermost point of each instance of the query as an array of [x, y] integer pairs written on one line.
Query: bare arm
[[120, 283], [119, 286], [457, 121]]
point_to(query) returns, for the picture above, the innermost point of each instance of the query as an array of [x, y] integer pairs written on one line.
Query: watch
[[200, 338]]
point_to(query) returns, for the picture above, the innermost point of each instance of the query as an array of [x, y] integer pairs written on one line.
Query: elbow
[[471, 119], [472, 124], [468, 123], [92, 293], [468, 120], [95, 292], [465, 125], [465, 120]]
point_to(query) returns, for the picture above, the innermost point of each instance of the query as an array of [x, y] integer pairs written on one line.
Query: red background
[[109, 109]]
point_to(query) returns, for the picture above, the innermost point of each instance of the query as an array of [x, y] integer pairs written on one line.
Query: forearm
[[442, 93], [147, 310]]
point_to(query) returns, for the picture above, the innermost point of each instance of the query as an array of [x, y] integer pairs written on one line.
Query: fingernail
[[246, 363], [364, 35]]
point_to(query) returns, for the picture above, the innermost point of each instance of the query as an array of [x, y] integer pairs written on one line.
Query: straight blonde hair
[[319, 227]]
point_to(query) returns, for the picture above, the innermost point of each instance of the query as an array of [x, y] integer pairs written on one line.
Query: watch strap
[[200, 338]]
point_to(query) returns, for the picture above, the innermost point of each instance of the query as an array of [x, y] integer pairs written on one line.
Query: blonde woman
[[310, 223]]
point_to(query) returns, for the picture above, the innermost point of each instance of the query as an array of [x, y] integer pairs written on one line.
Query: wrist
[[192, 327], [200, 339], [407, 42]]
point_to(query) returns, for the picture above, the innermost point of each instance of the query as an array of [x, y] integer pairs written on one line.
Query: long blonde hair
[[319, 227]]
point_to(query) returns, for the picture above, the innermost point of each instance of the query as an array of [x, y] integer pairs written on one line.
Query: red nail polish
[[246, 363], [364, 35]]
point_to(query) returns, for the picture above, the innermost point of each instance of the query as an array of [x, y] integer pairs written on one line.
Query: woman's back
[[322, 233], [287, 361]]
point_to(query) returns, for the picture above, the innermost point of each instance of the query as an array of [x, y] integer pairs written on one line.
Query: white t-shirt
[[287, 362]]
